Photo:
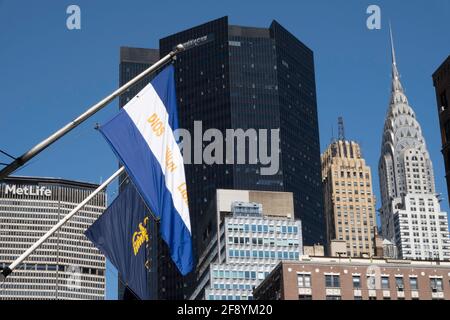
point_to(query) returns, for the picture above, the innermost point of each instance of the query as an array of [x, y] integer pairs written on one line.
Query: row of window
[[239, 275], [229, 297], [234, 286], [258, 254], [351, 199], [264, 241], [353, 174], [258, 228], [354, 184], [334, 281]]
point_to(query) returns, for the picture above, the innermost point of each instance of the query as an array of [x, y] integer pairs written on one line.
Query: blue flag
[[142, 136], [121, 234]]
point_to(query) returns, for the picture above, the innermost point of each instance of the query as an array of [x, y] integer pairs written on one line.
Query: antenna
[[341, 134], [394, 60]]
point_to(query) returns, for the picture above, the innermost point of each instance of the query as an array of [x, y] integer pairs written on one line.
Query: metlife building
[[67, 266]]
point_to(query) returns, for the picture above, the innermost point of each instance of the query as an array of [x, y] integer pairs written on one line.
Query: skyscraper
[[411, 215], [67, 265], [348, 197], [441, 81], [238, 77]]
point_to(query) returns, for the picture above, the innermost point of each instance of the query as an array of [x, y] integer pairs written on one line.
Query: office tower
[[256, 230], [325, 278], [165, 282], [235, 77], [441, 81], [67, 265], [411, 215], [348, 197]]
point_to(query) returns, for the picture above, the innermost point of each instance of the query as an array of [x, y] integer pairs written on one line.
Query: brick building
[[321, 278]]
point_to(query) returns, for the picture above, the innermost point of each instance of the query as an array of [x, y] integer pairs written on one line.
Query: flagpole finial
[[179, 48]]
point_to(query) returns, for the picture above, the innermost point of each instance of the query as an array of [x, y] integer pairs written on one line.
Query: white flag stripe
[[140, 109]]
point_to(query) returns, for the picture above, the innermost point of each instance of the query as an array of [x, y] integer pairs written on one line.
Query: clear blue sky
[[49, 75]]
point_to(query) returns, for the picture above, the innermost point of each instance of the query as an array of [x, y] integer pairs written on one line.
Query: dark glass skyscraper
[[243, 77], [236, 77]]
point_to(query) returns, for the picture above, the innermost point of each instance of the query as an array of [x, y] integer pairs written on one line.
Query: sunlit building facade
[[253, 238], [348, 198], [67, 265]]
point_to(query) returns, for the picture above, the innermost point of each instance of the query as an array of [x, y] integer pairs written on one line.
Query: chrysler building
[[411, 216]]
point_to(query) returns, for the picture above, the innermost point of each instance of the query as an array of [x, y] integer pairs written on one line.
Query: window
[[304, 297], [304, 280], [413, 284], [399, 283], [436, 284], [333, 298], [356, 282], [332, 281], [385, 282]]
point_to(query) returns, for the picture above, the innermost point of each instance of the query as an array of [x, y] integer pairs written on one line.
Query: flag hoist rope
[[20, 161]]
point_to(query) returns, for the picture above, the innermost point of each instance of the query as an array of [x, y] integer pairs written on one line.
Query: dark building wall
[[441, 80], [253, 97], [300, 145]]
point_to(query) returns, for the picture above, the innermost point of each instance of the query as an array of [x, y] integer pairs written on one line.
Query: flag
[[142, 136], [122, 235]]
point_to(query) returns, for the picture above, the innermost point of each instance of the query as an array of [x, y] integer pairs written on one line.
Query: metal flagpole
[[7, 271], [20, 161]]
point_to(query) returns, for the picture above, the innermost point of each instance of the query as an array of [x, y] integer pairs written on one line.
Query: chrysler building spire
[[407, 182], [396, 84]]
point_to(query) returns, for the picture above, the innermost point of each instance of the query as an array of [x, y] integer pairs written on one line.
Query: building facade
[[411, 215], [348, 198], [256, 231], [322, 278], [441, 81], [66, 266]]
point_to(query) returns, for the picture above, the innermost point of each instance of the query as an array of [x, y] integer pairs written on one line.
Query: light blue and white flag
[[142, 136]]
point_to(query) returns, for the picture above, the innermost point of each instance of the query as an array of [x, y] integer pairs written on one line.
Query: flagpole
[[19, 162], [7, 271]]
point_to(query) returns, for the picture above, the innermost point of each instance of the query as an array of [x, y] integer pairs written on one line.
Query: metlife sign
[[38, 191]]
